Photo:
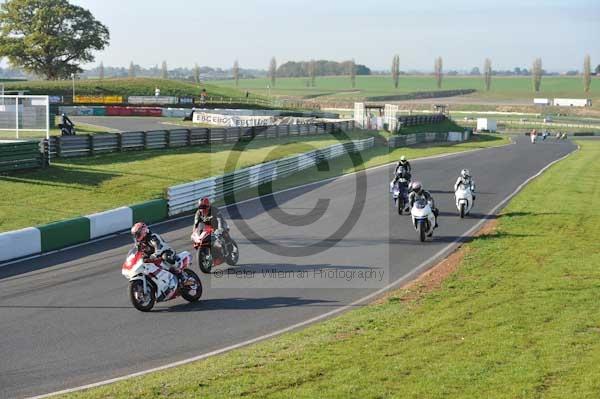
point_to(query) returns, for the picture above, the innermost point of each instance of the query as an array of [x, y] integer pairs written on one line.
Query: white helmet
[[402, 158], [416, 186], [465, 173]]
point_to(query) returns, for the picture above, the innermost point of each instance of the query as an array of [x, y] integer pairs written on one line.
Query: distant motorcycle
[[423, 218], [213, 248], [150, 282], [399, 190], [464, 200]]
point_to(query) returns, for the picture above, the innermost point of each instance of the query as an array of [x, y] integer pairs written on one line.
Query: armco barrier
[[150, 211], [183, 197], [91, 144], [62, 234], [108, 222], [16, 244], [410, 139], [19, 155]]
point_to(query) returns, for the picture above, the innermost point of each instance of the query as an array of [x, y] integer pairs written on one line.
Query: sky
[[463, 32]]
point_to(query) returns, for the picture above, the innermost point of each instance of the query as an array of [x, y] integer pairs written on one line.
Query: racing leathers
[[425, 195], [466, 182], [154, 247]]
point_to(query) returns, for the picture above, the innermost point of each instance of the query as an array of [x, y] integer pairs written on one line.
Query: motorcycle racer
[[153, 246], [417, 192]]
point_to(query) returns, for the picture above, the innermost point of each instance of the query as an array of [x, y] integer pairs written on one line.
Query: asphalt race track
[[66, 319]]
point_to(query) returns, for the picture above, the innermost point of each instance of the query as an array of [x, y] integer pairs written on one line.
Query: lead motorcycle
[[423, 218], [150, 281], [214, 248]]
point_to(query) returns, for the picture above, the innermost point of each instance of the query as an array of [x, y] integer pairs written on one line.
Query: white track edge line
[[408, 276]]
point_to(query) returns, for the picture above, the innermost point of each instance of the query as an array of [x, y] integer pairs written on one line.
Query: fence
[[184, 197], [82, 145], [19, 155]]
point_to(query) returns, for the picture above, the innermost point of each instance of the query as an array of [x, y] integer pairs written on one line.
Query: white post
[[73, 78], [17, 115], [47, 118]]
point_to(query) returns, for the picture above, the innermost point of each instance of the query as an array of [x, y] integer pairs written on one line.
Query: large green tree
[[49, 37]]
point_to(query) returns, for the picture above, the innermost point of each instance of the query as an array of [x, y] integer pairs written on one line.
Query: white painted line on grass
[[422, 267]]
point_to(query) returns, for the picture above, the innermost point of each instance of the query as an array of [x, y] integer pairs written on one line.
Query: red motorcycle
[[214, 248]]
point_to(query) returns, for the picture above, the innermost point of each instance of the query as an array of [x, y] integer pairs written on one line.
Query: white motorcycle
[[150, 282], [423, 218], [464, 200]]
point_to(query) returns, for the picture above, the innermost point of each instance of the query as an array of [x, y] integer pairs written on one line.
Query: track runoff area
[[306, 254]]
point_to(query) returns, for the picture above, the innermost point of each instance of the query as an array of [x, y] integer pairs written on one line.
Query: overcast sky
[[463, 32]]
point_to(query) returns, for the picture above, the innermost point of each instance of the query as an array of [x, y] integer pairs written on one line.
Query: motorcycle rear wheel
[[234, 254], [185, 294], [137, 287]]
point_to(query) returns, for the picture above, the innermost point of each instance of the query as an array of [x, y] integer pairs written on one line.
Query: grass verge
[[75, 187], [518, 318]]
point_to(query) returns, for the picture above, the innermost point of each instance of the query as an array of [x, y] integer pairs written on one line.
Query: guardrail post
[[45, 153], [91, 143], [277, 131], [119, 142], [188, 137], [145, 139]]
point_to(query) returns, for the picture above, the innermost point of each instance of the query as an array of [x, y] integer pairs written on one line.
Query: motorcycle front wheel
[[205, 262], [400, 204], [422, 231], [191, 293], [462, 211], [144, 302]]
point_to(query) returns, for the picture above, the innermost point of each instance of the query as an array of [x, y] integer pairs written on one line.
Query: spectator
[[203, 96]]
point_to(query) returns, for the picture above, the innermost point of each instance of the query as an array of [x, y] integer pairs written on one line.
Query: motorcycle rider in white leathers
[[466, 181]]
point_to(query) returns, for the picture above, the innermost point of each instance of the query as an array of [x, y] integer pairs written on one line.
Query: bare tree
[[438, 70], [312, 72], [587, 73], [536, 74], [396, 70], [196, 73], [273, 71], [487, 73], [236, 72], [101, 71], [353, 73], [164, 71], [131, 70]]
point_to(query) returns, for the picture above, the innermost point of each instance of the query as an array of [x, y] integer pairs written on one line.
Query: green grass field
[[74, 187], [339, 87], [518, 319], [122, 87]]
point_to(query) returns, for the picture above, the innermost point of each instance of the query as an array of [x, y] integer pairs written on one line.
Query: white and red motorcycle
[[151, 282]]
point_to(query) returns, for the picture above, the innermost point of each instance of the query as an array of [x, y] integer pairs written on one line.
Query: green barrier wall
[[150, 212], [62, 234]]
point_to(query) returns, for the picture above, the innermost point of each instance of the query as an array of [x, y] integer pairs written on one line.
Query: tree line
[[52, 38]]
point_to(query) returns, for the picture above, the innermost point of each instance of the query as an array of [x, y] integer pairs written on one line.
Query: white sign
[[232, 120]]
